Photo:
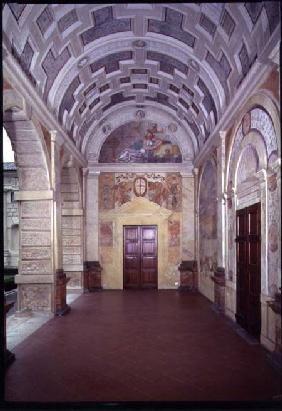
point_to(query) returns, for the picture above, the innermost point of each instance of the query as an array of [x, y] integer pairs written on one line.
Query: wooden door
[[140, 257], [248, 311]]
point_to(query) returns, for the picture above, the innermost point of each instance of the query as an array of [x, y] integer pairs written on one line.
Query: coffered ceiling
[[86, 61]]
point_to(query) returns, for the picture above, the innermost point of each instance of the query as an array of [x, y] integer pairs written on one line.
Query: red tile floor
[[140, 346]]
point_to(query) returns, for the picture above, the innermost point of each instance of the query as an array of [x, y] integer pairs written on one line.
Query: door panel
[[131, 256], [140, 257], [248, 313]]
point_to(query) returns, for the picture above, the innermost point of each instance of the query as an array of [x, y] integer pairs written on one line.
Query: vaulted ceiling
[[87, 60]]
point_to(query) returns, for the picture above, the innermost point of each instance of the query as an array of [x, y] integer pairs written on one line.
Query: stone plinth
[[276, 355], [92, 276], [188, 276], [9, 356], [219, 288], [61, 293]]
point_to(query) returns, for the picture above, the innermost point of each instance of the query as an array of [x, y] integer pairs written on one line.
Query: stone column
[[188, 266], [92, 268], [61, 306]]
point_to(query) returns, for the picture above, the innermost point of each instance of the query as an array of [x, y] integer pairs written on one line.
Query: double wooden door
[[248, 311], [140, 256]]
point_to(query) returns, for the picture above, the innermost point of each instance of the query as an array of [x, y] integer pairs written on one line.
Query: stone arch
[[262, 101], [253, 172], [36, 288], [25, 133]]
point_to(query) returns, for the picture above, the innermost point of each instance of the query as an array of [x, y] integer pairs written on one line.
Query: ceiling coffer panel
[[86, 60]]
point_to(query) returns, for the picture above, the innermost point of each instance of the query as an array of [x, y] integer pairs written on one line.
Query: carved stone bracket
[[62, 307], [188, 275], [9, 356], [92, 276], [219, 288]]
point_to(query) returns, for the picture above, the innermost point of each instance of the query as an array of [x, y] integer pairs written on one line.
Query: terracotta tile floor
[[140, 346]]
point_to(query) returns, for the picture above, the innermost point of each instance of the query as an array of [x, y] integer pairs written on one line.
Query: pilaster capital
[[262, 176], [222, 134], [85, 171], [56, 137], [276, 166], [195, 171], [92, 174]]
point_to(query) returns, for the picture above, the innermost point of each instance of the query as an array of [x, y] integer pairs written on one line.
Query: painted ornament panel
[[141, 142]]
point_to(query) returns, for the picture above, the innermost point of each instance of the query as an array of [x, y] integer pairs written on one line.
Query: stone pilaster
[[187, 268], [196, 216], [188, 223], [219, 275], [92, 217], [92, 268], [61, 306], [262, 175], [221, 200]]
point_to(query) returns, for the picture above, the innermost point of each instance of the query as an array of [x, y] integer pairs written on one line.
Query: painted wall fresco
[[106, 191], [106, 234], [164, 189], [208, 220], [173, 233], [140, 142]]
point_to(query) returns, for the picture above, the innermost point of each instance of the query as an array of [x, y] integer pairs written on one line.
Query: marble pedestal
[[188, 276], [61, 293], [92, 276], [219, 289]]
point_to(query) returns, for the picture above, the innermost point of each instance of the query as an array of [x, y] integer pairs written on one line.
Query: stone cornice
[[184, 168]]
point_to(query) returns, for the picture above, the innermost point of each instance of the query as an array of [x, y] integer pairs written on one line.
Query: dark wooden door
[[140, 257], [248, 310]]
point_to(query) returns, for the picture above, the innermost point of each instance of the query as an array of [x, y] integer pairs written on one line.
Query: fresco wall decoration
[[117, 190], [141, 142], [208, 220], [164, 189]]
